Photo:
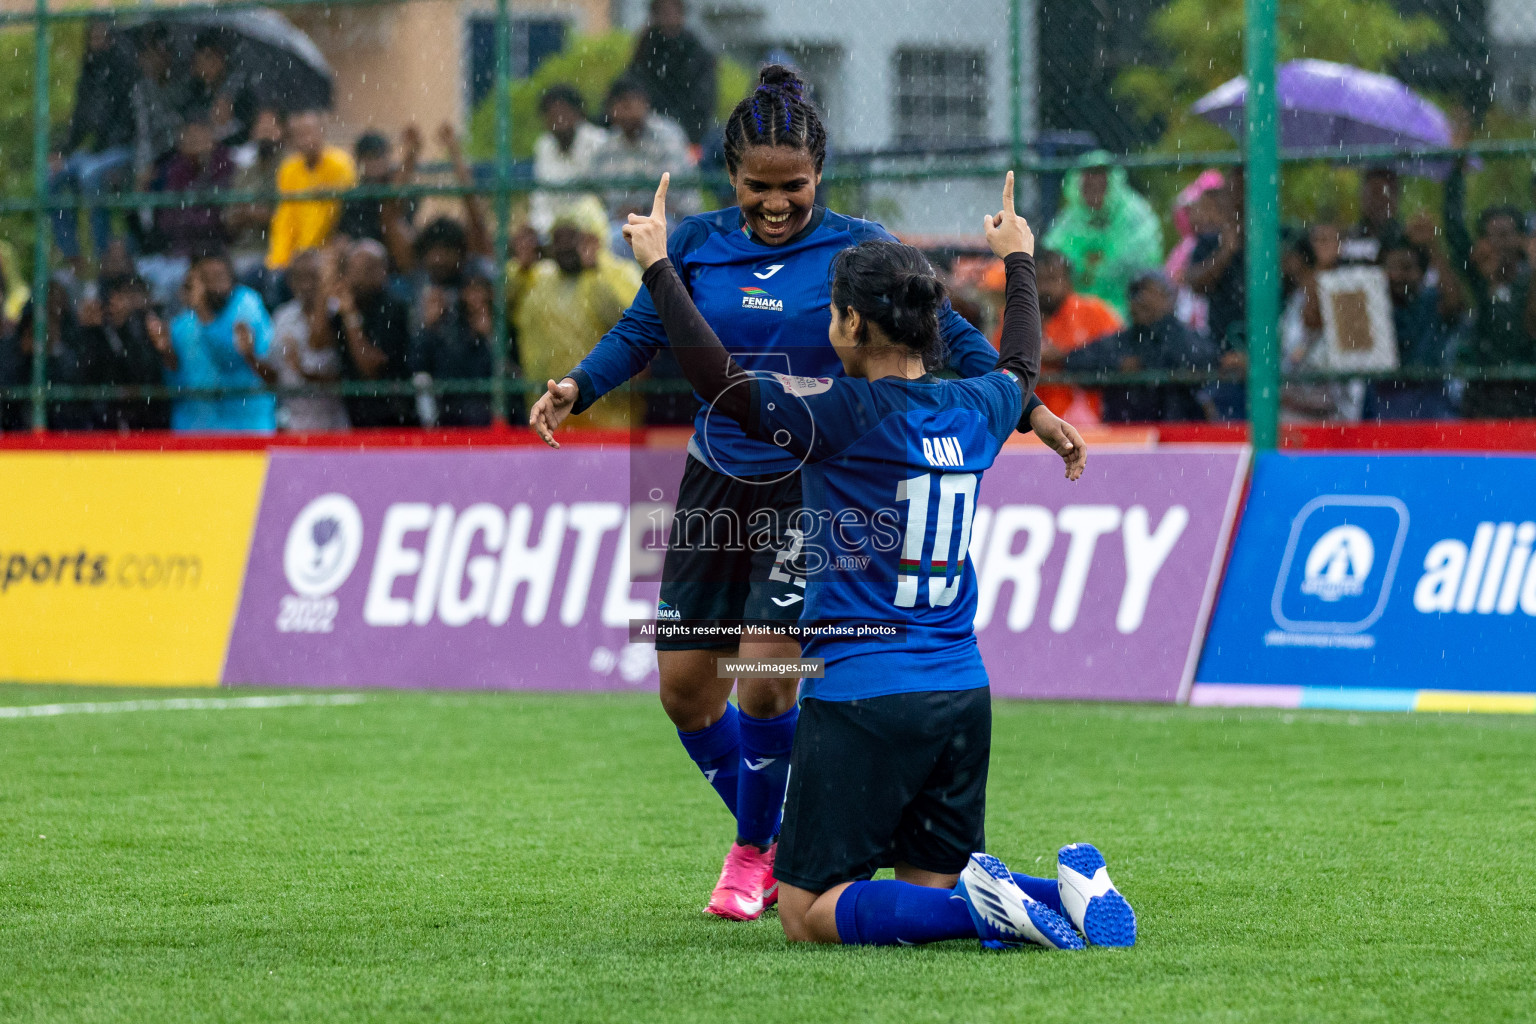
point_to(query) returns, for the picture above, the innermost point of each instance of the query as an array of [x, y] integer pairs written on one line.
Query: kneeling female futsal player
[[889, 766], [758, 273]]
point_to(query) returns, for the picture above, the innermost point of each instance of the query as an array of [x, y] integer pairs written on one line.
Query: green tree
[[1203, 41], [18, 52]]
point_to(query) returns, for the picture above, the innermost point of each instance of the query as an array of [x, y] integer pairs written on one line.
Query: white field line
[[182, 704]]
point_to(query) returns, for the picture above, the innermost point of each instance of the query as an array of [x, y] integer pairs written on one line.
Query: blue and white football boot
[[1091, 900], [1003, 915]]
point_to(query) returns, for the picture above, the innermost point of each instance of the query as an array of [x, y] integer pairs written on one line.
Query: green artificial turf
[[467, 857]]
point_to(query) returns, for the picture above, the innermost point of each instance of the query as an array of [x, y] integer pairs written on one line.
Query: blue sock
[[891, 913], [1042, 889], [717, 752], [765, 747]]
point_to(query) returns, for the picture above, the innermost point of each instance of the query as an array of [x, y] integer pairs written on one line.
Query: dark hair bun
[[777, 76], [920, 292], [893, 286]]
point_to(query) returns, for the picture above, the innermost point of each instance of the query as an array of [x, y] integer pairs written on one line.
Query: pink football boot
[[738, 896], [770, 884]]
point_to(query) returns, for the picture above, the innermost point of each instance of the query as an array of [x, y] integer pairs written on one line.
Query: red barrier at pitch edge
[[1411, 435], [168, 441], [1420, 435]]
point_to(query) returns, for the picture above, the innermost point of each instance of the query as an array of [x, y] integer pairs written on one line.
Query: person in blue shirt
[[221, 340], [759, 274], [889, 763]]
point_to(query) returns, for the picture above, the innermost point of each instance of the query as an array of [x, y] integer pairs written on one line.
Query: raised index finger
[[1008, 192], [659, 207]]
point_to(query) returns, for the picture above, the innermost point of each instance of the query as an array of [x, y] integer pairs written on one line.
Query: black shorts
[[888, 780], [732, 554]]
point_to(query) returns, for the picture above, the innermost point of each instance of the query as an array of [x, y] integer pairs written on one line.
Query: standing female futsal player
[[890, 761], [759, 273]]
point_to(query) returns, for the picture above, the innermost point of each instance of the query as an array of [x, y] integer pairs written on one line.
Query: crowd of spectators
[[250, 305], [1458, 297], [259, 307]]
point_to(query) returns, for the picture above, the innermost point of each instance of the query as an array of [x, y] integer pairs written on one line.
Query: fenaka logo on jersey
[[756, 298], [802, 385], [1337, 570], [319, 555]]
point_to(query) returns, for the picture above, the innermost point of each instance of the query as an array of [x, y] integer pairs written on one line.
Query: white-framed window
[[940, 96]]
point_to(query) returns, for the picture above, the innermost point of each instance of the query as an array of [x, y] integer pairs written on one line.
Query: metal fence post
[[41, 246], [1261, 151], [503, 210], [1015, 83]]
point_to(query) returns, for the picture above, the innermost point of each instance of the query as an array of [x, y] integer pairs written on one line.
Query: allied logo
[[1495, 573], [319, 555], [1337, 570], [756, 298], [1339, 564]]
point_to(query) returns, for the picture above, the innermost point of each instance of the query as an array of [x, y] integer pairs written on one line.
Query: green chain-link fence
[[1260, 155]]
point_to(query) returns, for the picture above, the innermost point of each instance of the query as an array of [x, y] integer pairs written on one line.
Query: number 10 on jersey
[[915, 491]]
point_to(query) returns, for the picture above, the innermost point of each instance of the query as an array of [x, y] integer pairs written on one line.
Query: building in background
[[1512, 50], [909, 78]]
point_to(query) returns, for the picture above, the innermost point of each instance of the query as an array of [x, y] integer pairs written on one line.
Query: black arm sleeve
[[1021, 331], [718, 379], [1019, 352]]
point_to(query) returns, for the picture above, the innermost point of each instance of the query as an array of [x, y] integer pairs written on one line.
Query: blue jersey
[[770, 306], [891, 479]]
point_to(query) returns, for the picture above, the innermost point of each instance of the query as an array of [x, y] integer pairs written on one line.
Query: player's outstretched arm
[[704, 361], [625, 350], [1013, 242]]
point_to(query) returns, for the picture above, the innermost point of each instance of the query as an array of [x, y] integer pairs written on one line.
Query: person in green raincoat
[[1106, 229]]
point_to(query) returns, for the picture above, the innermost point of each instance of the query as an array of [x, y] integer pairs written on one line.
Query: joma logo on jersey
[[756, 298], [943, 451]]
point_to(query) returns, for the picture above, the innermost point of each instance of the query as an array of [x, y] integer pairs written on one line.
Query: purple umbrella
[[1324, 104]]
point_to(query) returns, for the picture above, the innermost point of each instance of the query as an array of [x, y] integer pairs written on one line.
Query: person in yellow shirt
[[564, 304], [301, 224], [14, 292]]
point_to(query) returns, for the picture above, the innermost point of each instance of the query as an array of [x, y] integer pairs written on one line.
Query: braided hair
[[776, 113], [892, 285]]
